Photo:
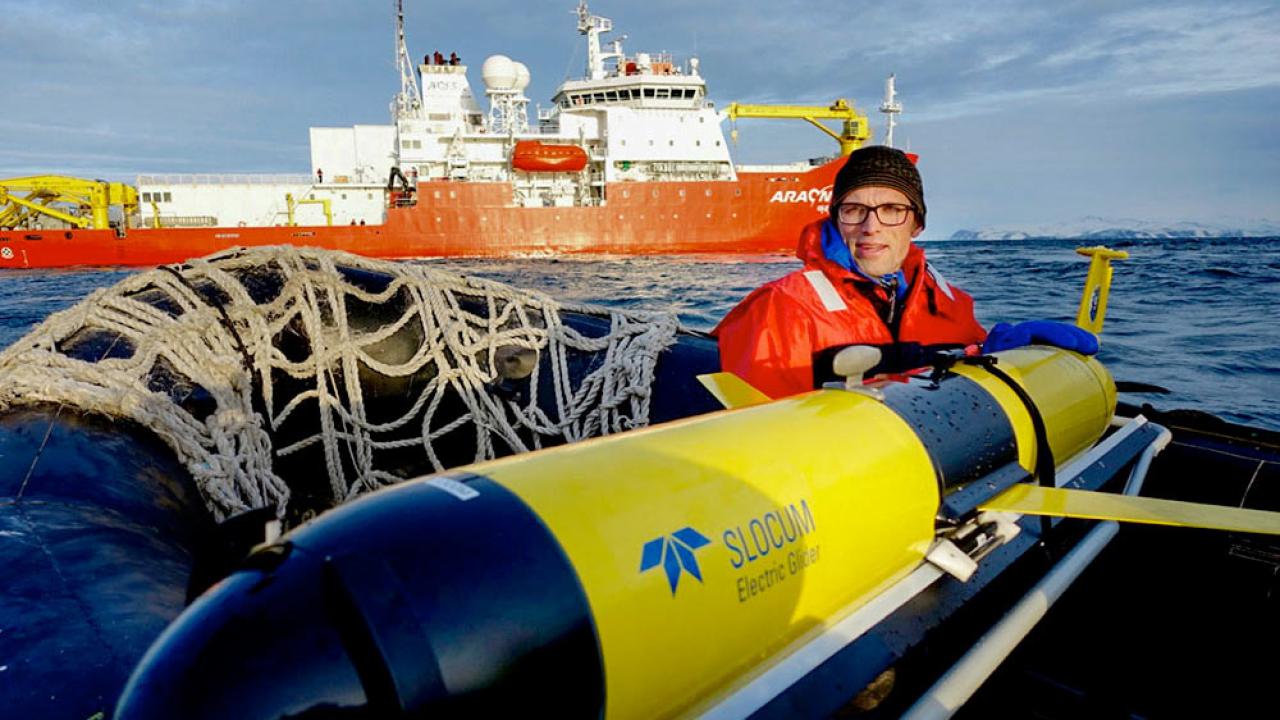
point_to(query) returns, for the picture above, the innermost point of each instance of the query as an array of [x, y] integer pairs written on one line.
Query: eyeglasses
[[887, 214]]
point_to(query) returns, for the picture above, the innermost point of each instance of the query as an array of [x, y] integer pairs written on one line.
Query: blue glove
[[1040, 332]]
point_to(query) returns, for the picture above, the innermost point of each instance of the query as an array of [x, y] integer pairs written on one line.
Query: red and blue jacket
[[783, 336]]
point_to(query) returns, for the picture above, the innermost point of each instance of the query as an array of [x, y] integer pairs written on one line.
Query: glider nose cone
[[258, 645]]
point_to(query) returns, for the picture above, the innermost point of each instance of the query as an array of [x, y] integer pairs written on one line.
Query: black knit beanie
[[880, 165]]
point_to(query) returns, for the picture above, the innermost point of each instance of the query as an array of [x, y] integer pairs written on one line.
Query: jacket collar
[[811, 254]]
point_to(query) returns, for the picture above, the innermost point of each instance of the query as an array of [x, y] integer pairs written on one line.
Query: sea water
[[1199, 317]]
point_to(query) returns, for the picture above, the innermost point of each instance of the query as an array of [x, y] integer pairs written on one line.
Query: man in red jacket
[[863, 283]]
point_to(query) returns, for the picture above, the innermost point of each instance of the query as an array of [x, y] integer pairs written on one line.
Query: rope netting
[[261, 366]]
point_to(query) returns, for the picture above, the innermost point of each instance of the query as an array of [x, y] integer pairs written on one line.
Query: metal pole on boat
[[964, 678]]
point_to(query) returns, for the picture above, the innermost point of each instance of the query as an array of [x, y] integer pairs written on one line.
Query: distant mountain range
[[1096, 228]]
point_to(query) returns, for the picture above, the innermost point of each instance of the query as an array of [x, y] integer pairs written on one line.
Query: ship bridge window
[[597, 97], [611, 96], [146, 197], [664, 92], [648, 92]]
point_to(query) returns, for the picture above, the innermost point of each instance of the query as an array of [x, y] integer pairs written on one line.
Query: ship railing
[[227, 179], [800, 166], [180, 221]]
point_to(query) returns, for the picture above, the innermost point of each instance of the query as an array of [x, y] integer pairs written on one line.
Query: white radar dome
[[499, 73], [522, 76]]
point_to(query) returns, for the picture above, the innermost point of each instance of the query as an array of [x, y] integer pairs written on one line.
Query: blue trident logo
[[675, 554]]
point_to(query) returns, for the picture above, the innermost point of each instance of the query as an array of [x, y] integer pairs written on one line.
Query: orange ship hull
[[758, 213]]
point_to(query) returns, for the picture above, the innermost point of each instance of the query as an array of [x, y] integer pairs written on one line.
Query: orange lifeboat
[[534, 156]]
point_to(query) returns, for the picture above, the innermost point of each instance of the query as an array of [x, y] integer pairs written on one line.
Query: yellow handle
[[1093, 303]]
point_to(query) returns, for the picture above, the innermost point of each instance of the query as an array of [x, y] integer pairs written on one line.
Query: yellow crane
[[78, 202], [853, 134], [291, 205]]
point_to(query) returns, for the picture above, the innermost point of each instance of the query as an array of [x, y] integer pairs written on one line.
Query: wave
[[1222, 272], [1194, 316]]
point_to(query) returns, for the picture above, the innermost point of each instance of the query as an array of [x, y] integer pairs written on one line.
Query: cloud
[[962, 58], [232, 85], [1154, 51], [1191, 50]]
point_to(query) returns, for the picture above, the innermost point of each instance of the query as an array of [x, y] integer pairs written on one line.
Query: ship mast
[[592, 26], [890, 107], [408, 102]]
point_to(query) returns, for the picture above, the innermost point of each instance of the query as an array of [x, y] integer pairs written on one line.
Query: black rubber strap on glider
[[1046, 470], [1045, 466]]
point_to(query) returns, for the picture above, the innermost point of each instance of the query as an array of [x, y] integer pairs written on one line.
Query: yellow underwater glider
[[770, 559]]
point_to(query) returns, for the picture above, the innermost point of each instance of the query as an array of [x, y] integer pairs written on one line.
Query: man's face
[[878, 249]]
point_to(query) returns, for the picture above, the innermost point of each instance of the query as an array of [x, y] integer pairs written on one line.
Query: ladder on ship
[[78, 202]]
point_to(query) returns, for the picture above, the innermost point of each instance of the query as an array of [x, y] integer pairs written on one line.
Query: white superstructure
[[638, 117], [229, 200]]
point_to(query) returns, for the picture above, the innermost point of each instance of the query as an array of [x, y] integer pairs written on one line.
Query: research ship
[[632, 158]]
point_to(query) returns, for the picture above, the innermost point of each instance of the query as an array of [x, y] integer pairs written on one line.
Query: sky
[[1024, 113]]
